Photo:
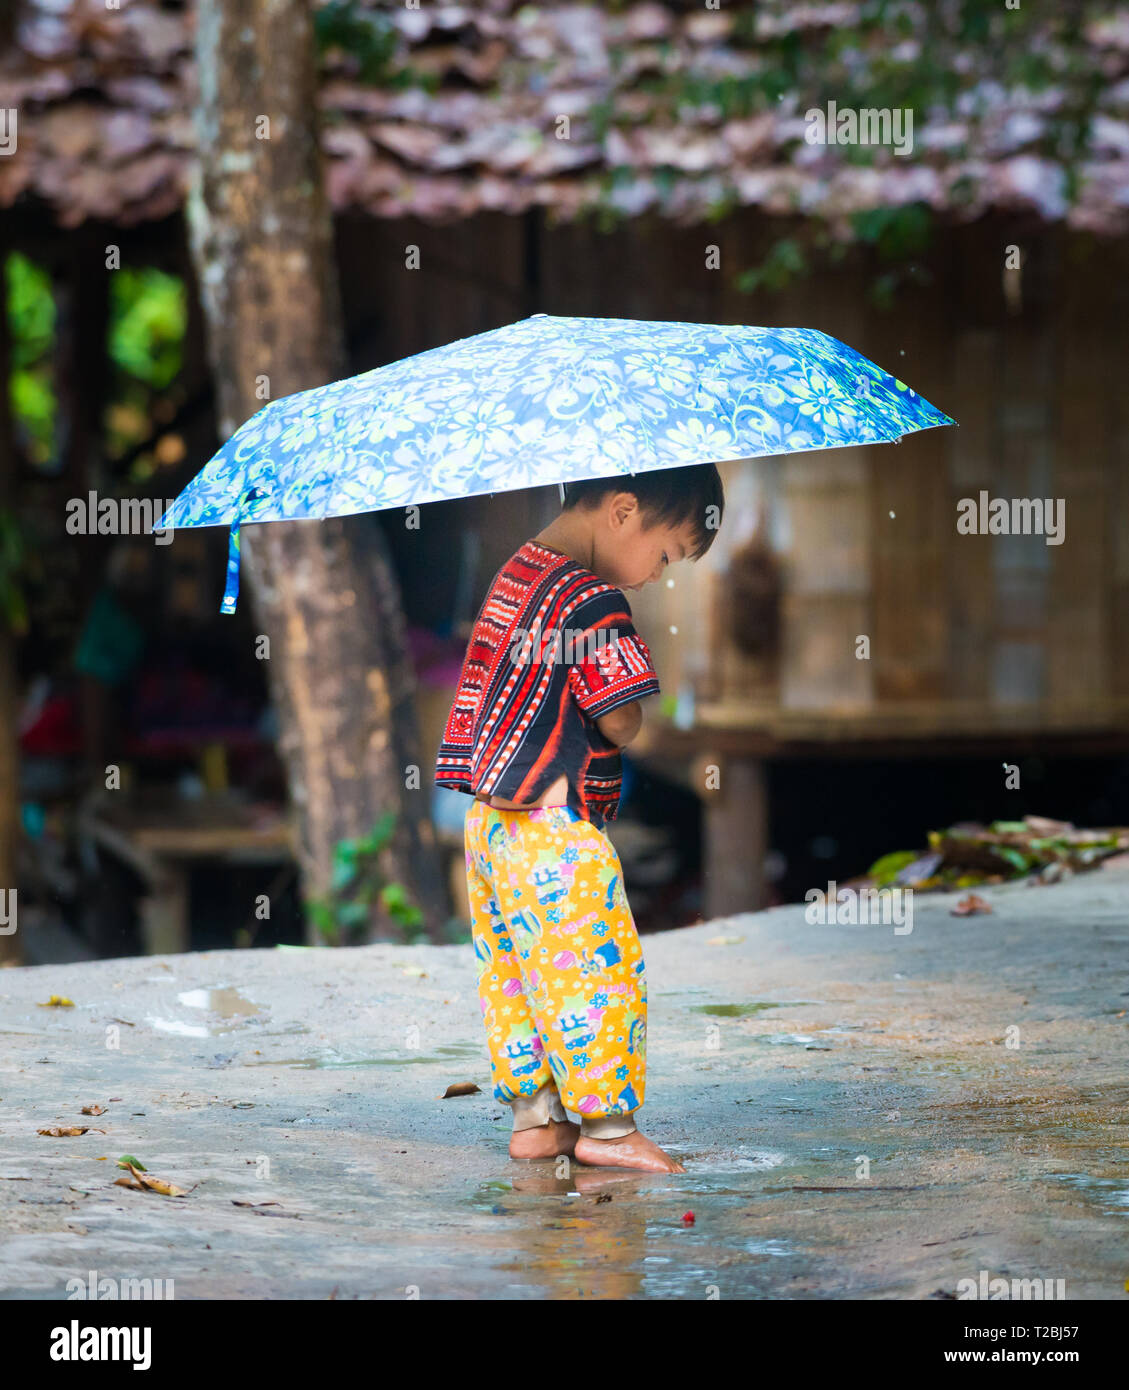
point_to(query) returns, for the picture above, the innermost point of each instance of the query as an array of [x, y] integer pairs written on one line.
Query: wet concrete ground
[[777, 1063]]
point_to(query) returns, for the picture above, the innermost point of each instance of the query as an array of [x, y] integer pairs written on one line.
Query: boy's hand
[[621, 725]]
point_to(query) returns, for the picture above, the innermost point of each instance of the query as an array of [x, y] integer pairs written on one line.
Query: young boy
[[549, 694]]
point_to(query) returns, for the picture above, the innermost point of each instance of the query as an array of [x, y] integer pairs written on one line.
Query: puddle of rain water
[[1107, 1192], [739, 1160], [753, 1006], [681, 1282], [733, 1010], [212, 1012], [786, 1039], [335, 1061]]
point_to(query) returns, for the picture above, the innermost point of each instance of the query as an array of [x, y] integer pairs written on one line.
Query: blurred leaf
[[380, 834], [395, 900], [883, 871], [785, 260], [354, 914]]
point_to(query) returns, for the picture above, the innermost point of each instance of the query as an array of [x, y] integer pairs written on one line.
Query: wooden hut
[[496, 161]]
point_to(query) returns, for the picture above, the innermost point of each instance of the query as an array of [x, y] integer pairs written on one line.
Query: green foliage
[[31, 310], [148, 325], [889, 56], [786, 259], [895, 232], [883, 871], [356, 886], [31, 384], [369, 38], [148, 321], [897, 235]]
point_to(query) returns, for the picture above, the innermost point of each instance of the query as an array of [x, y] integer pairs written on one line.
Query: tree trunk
[[262, 242], [11, 948]]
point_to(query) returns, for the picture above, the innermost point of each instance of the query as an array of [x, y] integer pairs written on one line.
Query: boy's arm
[[616, 670], [621, 725]]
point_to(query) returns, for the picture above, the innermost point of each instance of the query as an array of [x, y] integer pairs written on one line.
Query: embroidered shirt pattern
[[522, 716]]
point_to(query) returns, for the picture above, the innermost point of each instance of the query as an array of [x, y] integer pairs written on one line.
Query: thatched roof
[[452, 109]]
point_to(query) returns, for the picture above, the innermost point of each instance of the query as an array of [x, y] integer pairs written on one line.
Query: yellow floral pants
[[561, 979]]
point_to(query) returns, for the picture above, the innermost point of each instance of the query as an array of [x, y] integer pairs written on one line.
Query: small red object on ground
[[967, 906], [688, 1217]]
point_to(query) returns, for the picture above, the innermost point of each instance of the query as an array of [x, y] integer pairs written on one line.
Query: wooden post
[[736, 836], [165, 929]]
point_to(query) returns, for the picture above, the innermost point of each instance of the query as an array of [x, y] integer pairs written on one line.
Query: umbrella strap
[[234, 545]]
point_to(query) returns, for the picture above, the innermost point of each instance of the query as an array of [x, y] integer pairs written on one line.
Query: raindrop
[[670, 583], [673, 631], [891, 516]]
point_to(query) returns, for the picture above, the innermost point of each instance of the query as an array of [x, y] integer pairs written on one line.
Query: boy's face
[[630, 553]]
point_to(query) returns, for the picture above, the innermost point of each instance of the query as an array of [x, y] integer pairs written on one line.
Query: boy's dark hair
[[667, 496]]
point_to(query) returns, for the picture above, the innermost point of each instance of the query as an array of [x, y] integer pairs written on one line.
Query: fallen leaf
[[58, 1131], [971, 904], [234, 1203], [415, 970], [139, 1181], [93, 1110], [58, 1001], [461, 1088], [725, 940], [128, 1161]]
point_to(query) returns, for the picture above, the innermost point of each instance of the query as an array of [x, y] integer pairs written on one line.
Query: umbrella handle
[[234, 546]]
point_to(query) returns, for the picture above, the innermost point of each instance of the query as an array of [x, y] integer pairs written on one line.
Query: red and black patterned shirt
[[553, 649]]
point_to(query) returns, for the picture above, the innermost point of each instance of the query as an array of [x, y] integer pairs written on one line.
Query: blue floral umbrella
[[545, 400]]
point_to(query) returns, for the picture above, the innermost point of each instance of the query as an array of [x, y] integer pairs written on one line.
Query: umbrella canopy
[[545, 400]]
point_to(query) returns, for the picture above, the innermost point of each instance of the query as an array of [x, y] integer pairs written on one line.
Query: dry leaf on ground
[[140, 1181], [970, 905], [461, 1088]]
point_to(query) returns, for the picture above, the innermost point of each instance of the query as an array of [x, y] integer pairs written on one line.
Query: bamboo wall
[[965, 631]]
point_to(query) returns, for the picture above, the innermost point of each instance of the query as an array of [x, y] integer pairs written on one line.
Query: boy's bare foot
[[544, 1141], [633, 1150]]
